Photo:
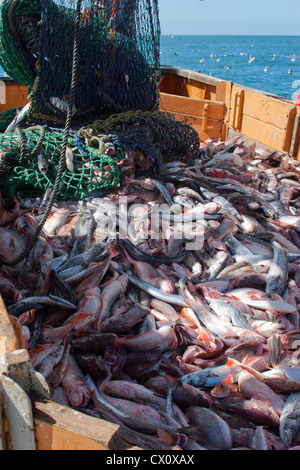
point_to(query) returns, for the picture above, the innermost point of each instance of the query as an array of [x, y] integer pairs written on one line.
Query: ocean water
[[267, 63], [240, 59]]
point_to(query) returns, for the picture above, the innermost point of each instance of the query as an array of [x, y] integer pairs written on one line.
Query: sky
[[233, 17]]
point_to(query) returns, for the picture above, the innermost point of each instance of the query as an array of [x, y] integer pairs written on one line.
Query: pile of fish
[[185, 346]]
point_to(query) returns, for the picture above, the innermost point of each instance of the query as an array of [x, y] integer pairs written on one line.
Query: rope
[[34, 238]]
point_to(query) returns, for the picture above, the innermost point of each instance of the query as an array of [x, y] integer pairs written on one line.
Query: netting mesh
[[116, 93], [29, 160], [118, 58]]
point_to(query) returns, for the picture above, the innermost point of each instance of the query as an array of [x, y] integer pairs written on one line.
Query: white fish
[[69, 160]]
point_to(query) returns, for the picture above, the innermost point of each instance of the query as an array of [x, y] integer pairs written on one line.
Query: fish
[[210, 377], [74, 384], [108, 297], [161, 340], [35, 302], [156, 261], [136, 416], [253, 388], [133, 322], [84, 229], [12, 244], [261, 300], [47, 365], [123, 323], [278, 272], [290, 419], [174, 299], [42, 164], [69, 159], [55, 220], [211, 427]]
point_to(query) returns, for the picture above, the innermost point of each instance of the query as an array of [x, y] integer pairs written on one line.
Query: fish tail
[[234, 363]]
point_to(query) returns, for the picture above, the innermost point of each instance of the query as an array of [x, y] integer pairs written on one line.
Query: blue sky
[[276, 17]]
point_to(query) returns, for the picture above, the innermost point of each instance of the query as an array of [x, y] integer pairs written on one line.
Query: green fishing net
[[29, 161], [116, 94]]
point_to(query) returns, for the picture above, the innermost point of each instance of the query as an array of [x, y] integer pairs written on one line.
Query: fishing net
[[159, 135], [118, 54], [116, 97], [6, 118], [29, 157], [29, 160]]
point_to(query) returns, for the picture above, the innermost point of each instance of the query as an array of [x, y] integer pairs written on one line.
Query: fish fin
[[80, 316], [113, 252], [233, 363], [228, 380]]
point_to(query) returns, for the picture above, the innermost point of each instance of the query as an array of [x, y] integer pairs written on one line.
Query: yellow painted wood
[[213, 128], [223, 92], [263, 133], [270, 110], [266, 119], [192, 106], [15, 95], [60, 428], [206, 117]]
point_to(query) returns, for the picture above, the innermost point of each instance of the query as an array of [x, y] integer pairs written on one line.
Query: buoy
[[298, 100]]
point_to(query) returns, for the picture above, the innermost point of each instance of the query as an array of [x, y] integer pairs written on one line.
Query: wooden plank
[[263, 133], [168, 83], [188, 83], [213, 130], [15, 95], [295, 141], [267, 109], [191, 106], [191, 74], [60, 428], [204, 116], [8, 338], [223, 93]]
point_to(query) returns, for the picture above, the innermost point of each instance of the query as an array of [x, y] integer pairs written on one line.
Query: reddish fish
[[110, 294], [74, 385], [161, 340]]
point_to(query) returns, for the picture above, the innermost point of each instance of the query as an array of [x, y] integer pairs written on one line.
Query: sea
[[267, 63]]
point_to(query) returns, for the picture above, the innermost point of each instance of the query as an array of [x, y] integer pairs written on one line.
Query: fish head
[[193, 379], [289, 429]]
